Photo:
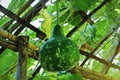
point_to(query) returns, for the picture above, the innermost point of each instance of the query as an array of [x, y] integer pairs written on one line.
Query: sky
[[4, 3]]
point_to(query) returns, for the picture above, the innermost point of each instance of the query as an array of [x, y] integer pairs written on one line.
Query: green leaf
[[75, 76], [80, 4], [46, 26], [70, 76], [75, 18], [48, 78], [7, 60], [4, 20], [15, 5]]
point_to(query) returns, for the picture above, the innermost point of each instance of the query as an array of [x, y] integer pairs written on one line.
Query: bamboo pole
[[32, 48], [20, 20], [99, 59], [31, 53], [90, 74], [27, 17], [111, 58], [8, 23], [22, 57], [7, 45], [100, 43], [13, 38]]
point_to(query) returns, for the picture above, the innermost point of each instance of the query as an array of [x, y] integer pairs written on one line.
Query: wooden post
[[22, 57]]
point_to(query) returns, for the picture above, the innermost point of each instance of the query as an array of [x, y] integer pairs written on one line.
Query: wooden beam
[[99, 44], [105, 68], [28, 16], [32, 48], [26, 5], [13, 38], [109, 64], [22, 57], [31, 53], [90, 74], [7, 45], [20, 20]]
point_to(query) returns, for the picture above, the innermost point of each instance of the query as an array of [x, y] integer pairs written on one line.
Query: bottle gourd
[[58, 53]]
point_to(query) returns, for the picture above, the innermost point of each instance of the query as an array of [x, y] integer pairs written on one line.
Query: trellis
[[11, 41]]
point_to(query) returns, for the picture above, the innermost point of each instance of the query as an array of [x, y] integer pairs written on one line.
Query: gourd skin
[[58, 53]]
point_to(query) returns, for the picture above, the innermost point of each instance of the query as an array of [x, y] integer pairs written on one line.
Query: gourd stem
[[57, 6]]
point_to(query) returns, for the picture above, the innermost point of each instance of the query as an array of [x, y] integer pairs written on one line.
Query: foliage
[[15, 5], [60, 76], [9, 68], [46, 26], [106, 20]]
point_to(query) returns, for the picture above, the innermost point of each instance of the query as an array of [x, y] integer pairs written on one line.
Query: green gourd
[[58, 53]]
